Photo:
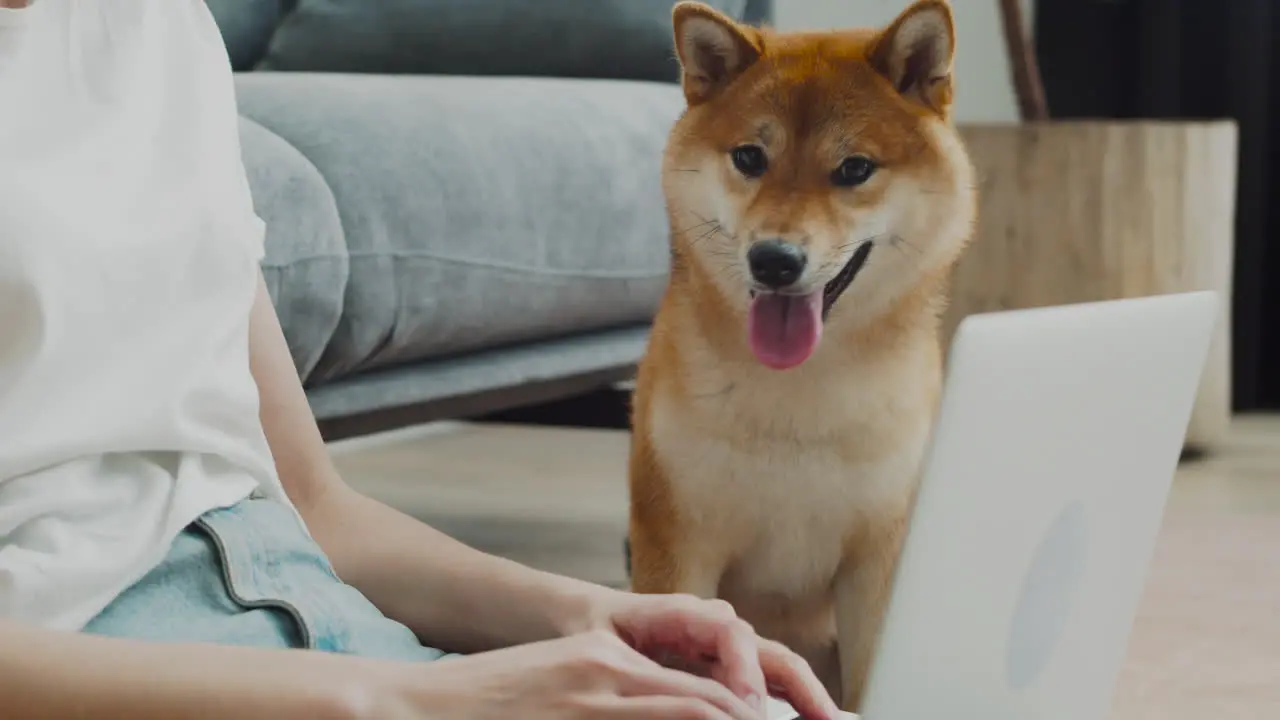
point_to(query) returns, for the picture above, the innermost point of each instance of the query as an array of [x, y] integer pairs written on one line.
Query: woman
[[162, 478]]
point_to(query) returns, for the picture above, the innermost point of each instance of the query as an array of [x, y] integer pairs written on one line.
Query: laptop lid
[[1058, 436]]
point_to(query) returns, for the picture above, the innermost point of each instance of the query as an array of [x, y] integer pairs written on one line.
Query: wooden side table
[[1098, 210]]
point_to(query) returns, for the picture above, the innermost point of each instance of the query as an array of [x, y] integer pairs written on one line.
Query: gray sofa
[[462, 196]]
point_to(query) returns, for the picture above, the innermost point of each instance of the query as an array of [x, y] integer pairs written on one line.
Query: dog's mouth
[[784, 329], [838, 284]]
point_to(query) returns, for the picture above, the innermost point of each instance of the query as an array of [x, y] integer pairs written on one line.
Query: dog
[[818, 197]]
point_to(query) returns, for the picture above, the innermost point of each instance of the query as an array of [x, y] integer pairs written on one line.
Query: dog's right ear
[[713, 49]]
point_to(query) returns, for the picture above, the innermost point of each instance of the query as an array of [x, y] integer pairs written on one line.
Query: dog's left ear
[[916, 51]]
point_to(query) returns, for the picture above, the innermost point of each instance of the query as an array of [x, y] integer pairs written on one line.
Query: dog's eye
[[853, 171], [750, 160]]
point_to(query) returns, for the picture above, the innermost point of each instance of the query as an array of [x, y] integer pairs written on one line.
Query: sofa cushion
[[518, 372], [628, 39], [479, 212], [305, 264], [246, 27]]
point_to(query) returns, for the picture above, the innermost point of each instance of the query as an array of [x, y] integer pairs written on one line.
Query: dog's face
[[815, 178]]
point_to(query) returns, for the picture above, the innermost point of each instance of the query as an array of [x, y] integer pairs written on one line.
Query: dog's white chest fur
[[780, 469]]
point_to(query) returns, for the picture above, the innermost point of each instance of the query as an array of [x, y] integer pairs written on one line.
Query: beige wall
[[983, 89]]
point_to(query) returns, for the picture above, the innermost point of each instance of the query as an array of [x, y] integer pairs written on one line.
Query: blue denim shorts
[[249, 575]]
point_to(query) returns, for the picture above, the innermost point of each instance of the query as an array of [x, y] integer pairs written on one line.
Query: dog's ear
[[712, 48], [915, 53]]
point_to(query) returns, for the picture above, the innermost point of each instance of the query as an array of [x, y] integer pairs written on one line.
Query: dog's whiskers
[[853, 245], [695, 227], [705, 235], [897, 241]]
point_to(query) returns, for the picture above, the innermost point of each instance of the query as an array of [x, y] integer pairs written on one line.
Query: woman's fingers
[[710, 630], [789, 672], [658, 708], [649, 679], [738, 651]]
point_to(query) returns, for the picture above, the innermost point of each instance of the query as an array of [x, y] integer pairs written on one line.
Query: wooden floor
[[1206, 643]]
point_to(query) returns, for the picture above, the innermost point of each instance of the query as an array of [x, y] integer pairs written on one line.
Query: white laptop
[[1044, 486]]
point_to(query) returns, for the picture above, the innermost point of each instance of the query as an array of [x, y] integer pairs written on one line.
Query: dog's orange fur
[[787, 492]]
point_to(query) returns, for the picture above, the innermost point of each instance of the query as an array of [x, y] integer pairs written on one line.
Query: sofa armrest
[[758, 12], [246, 26]]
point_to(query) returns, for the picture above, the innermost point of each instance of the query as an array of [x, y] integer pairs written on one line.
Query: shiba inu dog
[[818, 198]]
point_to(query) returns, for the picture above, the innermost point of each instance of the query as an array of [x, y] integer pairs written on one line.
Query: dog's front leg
[[863, 586], [672, 567], [667, 553]]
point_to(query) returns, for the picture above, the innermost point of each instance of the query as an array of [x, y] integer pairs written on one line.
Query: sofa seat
[[413, 218]]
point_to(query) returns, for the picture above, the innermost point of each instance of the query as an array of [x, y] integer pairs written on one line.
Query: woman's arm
[[451, 595], [53, 674]]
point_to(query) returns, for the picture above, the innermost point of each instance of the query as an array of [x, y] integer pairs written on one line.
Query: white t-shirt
[[129, 253]]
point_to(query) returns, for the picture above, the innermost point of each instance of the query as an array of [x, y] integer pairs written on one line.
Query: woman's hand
[[709, 633], [589, 675]]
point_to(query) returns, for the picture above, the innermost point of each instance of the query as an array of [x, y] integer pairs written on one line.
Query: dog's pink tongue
[[784, 329]]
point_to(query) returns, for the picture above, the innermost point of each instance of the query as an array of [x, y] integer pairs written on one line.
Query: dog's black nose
[[776, 263]]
